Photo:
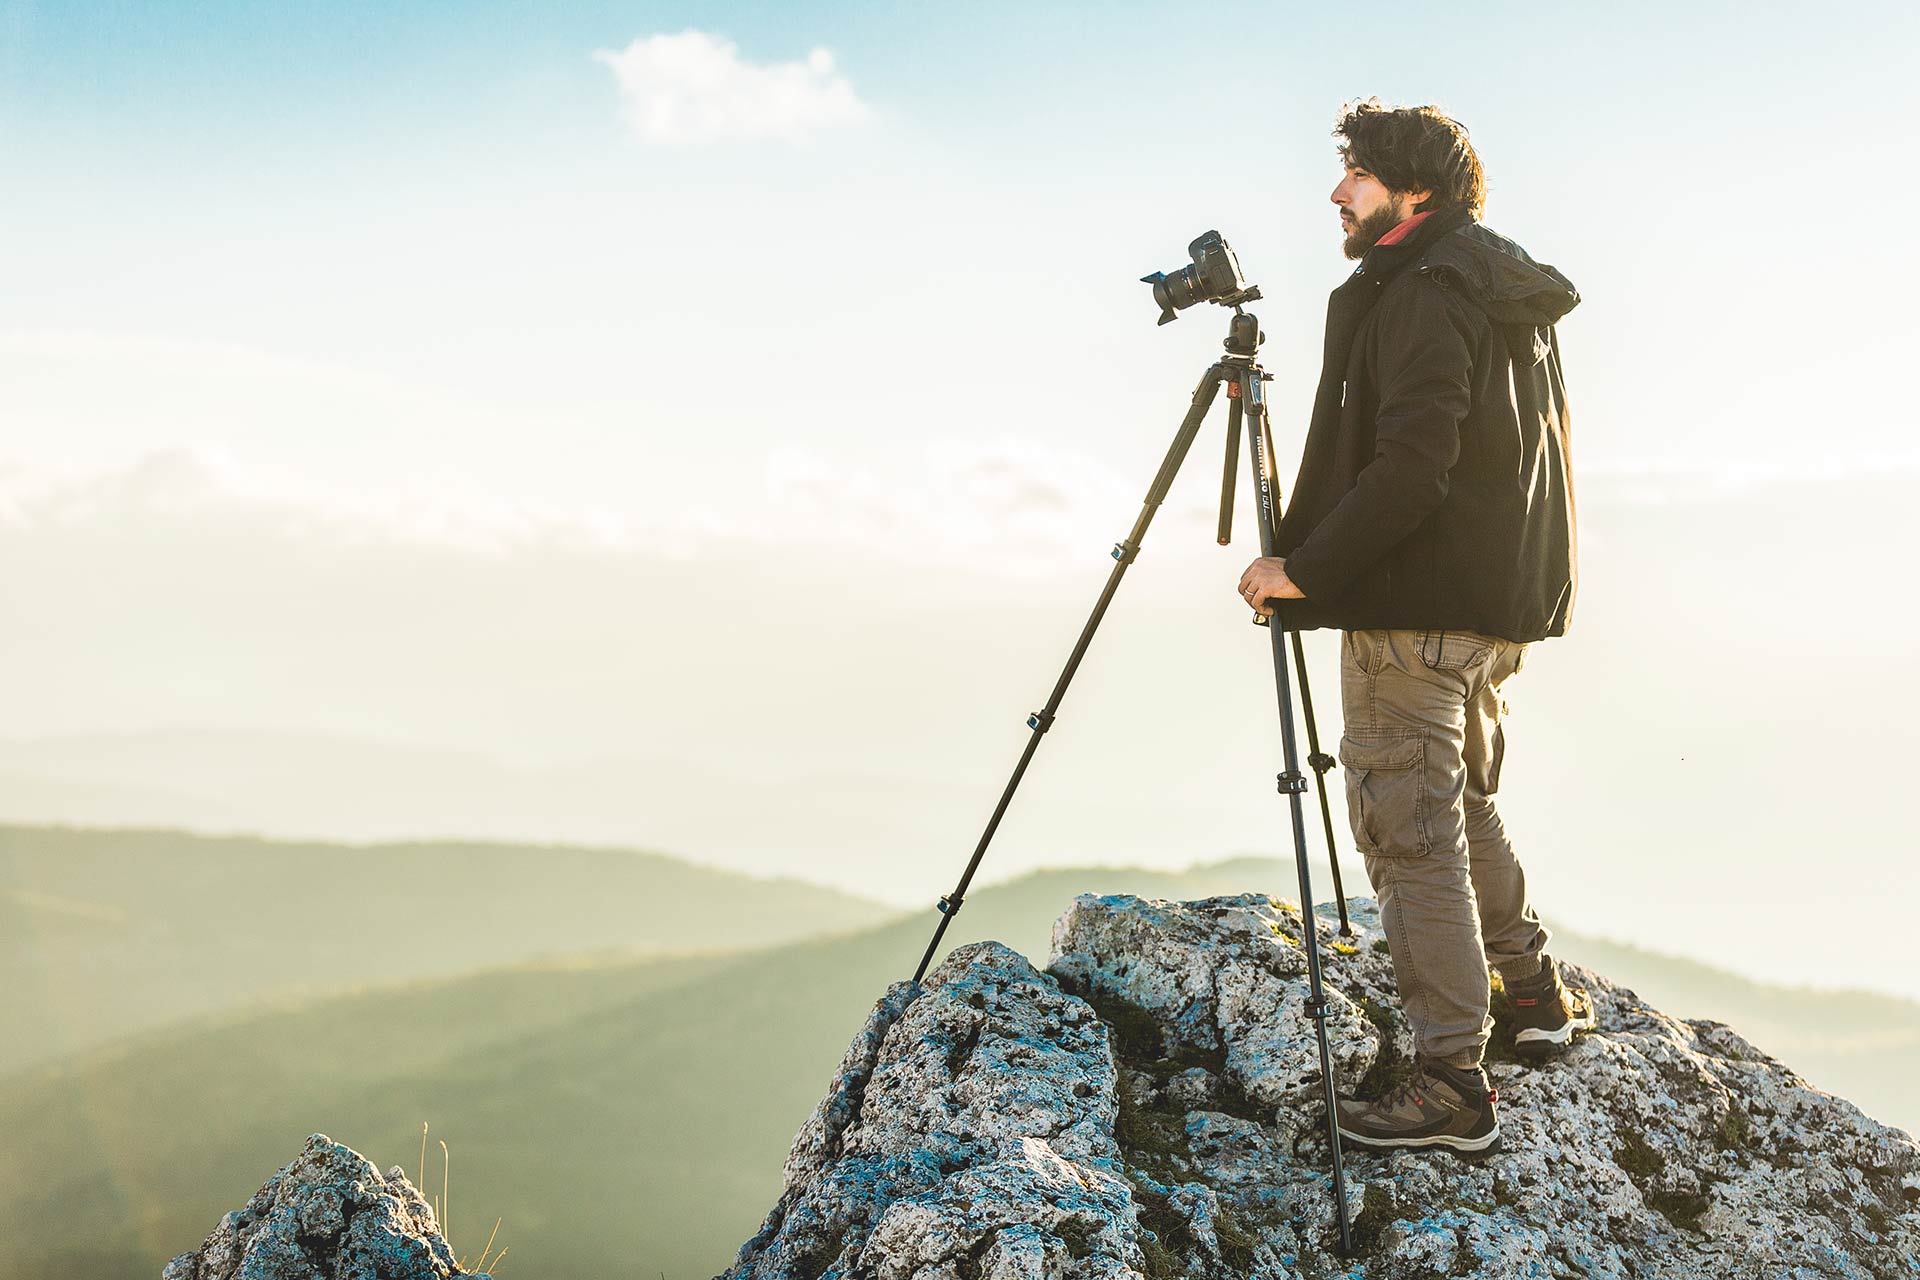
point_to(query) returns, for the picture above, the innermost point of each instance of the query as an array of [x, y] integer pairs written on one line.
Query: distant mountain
[[319, 787], [621, 1117], [106, 933], [582, 1103]]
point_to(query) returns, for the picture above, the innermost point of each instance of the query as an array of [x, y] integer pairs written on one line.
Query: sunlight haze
[[703, 430]]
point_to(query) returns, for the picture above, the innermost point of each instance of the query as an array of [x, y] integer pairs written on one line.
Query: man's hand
[[1266, 579]]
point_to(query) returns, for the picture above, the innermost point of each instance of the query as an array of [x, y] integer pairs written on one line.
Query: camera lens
[[1214, 275], [1177, 291]]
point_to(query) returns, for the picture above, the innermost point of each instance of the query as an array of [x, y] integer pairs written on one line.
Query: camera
[[1213, 277]]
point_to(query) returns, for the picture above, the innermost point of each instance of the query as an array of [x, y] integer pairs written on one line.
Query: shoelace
[[1417, 1084], [1412, 1087]]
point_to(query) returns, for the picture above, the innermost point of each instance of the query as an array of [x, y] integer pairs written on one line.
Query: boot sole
[[1464, 1147], [1534, 1045]]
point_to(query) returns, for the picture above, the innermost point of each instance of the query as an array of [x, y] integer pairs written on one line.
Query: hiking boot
[[1437, 1106], [1546, 1014]]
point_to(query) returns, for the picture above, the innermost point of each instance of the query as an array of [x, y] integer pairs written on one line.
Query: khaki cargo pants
[[1421, 756]]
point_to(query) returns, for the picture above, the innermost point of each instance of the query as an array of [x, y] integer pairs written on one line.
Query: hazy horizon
[[705, 430]]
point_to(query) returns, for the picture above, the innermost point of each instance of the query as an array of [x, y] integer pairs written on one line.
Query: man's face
[[1368, 210]]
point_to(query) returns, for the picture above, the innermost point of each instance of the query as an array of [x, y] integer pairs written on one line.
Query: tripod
[[1241, 374]]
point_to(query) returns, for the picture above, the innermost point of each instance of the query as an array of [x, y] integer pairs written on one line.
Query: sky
[[752, 393]]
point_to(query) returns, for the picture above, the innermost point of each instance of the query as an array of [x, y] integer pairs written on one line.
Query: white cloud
[[694, 88], [208, 493], [1697, 482], [1007, 504]]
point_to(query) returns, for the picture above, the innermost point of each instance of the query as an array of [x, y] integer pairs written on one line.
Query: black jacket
[[1434, 489]]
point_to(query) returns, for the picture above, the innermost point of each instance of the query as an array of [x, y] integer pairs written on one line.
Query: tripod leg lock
[[1293, 783], [1124, 552], [1040, 721], [1316, 1009], [1321, 762], [950, 905]]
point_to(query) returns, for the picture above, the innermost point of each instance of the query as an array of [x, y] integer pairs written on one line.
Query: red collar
[[1405, 229]]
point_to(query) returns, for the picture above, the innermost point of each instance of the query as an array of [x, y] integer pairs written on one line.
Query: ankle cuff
[[1542, 976], [1474, 1075]]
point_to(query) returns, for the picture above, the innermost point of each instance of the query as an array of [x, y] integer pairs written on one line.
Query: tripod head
[[1243, 334]]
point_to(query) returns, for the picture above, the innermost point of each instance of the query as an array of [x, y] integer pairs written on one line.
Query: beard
[[1363, 233]]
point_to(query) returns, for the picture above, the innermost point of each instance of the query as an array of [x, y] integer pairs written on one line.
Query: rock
[[984, 1108], [1148, 1107], [328, 1215]]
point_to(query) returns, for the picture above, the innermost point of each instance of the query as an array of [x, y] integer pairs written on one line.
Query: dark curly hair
[[1414, 149]]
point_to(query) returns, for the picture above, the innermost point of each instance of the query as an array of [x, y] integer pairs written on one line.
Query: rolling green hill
[[623, 1117], [103, 933]]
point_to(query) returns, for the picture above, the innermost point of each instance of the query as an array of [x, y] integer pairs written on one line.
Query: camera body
[[1214, 276]]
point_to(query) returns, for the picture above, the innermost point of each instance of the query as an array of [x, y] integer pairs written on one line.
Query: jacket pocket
[[1386, 790]]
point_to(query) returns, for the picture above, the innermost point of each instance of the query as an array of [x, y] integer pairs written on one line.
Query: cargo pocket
[[1386, 783], [1500, 711]]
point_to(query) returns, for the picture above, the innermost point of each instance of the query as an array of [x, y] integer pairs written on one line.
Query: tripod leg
[[1292, 784], [1042, 720], [1321, 763], [1225, 531], [1320, 760]]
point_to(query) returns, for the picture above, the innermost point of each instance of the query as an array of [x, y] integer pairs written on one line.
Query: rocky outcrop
[[328, 1215], [1148, 1106]]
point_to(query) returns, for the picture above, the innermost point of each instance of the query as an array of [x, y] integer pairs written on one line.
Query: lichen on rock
[[1148, 1107], [328, 1215]]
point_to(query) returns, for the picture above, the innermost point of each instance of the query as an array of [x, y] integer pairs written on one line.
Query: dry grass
[[443, 1210]]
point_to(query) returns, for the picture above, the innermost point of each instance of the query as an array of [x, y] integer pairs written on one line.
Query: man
[[1433, 522]]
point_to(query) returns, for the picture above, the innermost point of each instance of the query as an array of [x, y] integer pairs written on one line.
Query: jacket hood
[[1499, 275]]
